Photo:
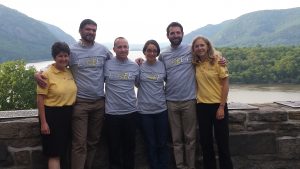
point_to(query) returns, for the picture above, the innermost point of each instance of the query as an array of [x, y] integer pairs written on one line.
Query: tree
[[17, 86], [263, 64]]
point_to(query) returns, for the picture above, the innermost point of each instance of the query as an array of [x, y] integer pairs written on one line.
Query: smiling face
[[175, 35], [88, 33], [151, 53], [61, 60], [200, 48], [121, 48]]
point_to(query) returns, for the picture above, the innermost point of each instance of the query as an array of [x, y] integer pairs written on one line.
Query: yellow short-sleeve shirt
[[61, 89], [208, 79]]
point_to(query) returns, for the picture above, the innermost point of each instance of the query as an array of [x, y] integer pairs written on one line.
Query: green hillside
[[22, 37], [265, 28]]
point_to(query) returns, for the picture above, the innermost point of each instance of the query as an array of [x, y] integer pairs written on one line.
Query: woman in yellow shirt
[[55, 105], [212, 111]]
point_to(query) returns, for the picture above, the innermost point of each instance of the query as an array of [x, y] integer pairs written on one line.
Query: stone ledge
[[289, 147], [268, 115], [5, 115], [250, 143], [267, 137], [19, 128]]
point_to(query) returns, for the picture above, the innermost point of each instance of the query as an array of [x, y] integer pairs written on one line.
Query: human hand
[[40, 79], [45, 129], [222, 61], [220, 113], [139, 61]]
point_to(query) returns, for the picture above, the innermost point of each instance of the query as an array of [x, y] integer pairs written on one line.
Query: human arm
[[222, 60], [137, 80], [40, 104], [139, 61], [224, 94], [40, 79]]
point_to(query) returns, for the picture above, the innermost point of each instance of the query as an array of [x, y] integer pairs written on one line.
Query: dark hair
[[174, 24], [153, 42], [87, 22], [58, 47]]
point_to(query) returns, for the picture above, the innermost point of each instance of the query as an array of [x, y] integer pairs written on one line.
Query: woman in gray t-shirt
[[152, 106]]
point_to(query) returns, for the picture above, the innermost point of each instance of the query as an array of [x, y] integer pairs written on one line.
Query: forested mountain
[[22, 37], [265, 28]]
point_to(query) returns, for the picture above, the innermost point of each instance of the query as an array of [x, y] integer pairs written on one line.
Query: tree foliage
[[17, 86], [263, 64]]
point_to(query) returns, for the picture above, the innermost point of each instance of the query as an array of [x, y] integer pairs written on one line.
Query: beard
[[88, 38], [176, 41]]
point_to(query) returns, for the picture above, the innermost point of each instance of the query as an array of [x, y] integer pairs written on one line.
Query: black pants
[[208, 124], [121, 131]]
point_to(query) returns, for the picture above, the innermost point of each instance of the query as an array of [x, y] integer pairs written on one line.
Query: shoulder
[[165, 50], [217, 56], [69, 70], [131, 66], [110, 61], [99, 45], [184, 47], [130, 62], [74, 46], [160, 63], [49, 71], [103, 49]]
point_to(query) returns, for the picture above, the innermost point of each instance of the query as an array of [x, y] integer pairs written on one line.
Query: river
[[242, 93]]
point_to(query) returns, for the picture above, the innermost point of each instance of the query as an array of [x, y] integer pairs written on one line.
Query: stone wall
[[263, 138]]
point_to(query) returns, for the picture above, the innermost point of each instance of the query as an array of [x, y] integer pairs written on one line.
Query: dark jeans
[[155, 130], [121, 131], [208, 124]]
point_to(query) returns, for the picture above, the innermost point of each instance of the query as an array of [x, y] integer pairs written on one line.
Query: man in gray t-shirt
[[87, 65], [181, 97], [121, 75]]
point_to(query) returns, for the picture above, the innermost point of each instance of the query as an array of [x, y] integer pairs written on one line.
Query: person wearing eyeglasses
[[152, 108]]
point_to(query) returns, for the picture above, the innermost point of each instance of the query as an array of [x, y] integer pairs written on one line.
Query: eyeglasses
[[151, 51]]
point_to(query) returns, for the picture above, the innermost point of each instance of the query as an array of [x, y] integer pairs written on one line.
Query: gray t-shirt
[[87, 64], [180, 83], [120, 79], [151, 93]]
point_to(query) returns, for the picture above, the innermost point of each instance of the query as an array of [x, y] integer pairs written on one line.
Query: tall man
[[181, 97], [87, 65], [87, 61]]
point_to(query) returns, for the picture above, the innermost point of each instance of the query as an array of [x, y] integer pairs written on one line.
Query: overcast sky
[[140, 20]]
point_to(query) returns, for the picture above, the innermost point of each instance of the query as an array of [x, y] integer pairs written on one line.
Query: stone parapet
[[266, 137]]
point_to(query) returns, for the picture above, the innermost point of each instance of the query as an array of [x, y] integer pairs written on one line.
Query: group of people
[[177, 88]]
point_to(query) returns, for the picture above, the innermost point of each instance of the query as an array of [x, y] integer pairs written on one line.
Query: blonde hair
[[212, 53]]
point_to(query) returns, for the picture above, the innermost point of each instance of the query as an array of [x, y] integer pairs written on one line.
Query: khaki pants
[[87, 122], [183, 122]]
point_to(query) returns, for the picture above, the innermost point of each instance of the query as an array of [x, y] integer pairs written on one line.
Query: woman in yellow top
[[212, 111], [55, 105]]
